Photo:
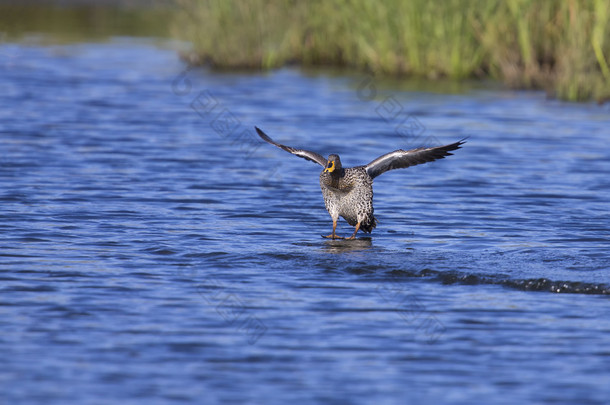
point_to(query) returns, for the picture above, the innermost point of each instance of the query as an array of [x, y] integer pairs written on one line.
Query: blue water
[[153, 251]]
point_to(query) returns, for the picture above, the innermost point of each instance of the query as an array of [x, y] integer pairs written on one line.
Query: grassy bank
[[560, 46]]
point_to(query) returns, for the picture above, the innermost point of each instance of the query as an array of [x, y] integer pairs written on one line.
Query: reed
[[559, 46]]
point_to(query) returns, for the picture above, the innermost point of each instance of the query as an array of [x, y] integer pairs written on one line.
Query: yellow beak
[[330, 167]]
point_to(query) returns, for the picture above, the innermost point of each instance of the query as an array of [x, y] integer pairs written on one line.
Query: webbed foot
[[333, 236]]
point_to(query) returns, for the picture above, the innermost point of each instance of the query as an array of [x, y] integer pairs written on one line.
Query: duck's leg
[[355, 231], [333, 235]]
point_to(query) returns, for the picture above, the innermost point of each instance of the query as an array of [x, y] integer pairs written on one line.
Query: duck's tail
[[369, 224]]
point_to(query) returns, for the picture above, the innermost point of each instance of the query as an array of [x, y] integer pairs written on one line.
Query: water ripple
[[148, 254]]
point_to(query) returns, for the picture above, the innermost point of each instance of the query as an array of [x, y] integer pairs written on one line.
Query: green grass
[[560, 46]]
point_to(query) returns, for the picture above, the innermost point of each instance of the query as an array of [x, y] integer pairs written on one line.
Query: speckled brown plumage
[[348, 192]]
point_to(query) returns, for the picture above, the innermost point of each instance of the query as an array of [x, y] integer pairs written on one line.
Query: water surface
[[151, 249]]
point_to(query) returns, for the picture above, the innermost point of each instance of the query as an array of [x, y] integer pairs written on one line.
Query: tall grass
[[560, 46]]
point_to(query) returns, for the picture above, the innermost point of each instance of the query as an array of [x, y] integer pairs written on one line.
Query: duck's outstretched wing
[[305, 154], [400, 159]]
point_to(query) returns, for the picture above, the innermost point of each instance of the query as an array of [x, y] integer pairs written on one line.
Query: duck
[[348, 191]]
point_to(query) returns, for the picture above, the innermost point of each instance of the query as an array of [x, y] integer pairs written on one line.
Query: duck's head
[[333, 165]]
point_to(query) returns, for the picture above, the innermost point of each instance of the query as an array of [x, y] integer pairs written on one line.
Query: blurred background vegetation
[[562, 47], [77, 20]]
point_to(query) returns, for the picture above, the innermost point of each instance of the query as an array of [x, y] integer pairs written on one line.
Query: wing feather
[[400, 159], [305, 154]]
